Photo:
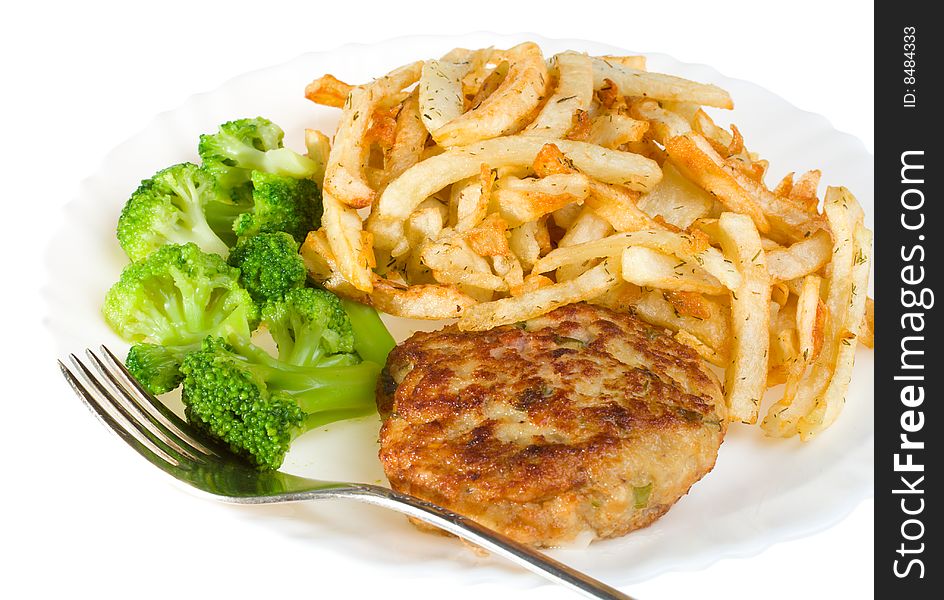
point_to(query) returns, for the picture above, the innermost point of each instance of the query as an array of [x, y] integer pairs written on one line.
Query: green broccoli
[[177, 296], [176, 206], [308, 326], [281, 203], [269, 265], [157, 368], [372, 341], [258, 404], [246, 145]]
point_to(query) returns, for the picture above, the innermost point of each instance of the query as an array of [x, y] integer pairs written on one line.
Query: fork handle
[[471, 531]]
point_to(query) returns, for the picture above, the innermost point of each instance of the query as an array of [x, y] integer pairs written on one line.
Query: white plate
[[761, 492]]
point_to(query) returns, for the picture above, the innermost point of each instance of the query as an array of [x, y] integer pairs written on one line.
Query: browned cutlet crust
[[552, 427]]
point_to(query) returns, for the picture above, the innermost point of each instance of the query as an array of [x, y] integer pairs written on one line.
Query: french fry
[[489, 238], [652, 307], [425, 301], [867, 328], [651, 268], [633, 82], [440, 93], [322, 267], [828, 407], [409, 142], [540, 301], [587, 227], [617, 205], [637, 62], [699, 162], [422, 180], [682, 245], [350, 244], [523, 200], [502, 186], [613, 129], [505, 109], [676, 199], [783, 418], [328, 90], [319, 147], [802, 258], [344, 175], [745, 377], [574, 93], [524, 243], [663, 124]]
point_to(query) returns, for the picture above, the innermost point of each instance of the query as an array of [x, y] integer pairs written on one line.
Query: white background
[[81, 77]]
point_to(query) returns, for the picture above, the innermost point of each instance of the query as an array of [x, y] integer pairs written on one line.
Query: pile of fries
[[493, 186]]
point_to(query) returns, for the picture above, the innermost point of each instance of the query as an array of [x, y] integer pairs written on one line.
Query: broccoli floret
[[173, 207], [258, 404], [177, 296], [157, 368], [281, 203], [246, 145], [308, 326], [269, 265]]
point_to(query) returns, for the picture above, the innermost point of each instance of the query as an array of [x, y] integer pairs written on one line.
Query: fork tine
[[142, 416], [132, 424], [119, 374], [149, 451]]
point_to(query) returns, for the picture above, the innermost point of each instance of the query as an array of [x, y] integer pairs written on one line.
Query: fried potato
[[502, 185], [344, 175], [409, 142], [802, 258], [328, 90], [817, 396], [541, 300], [676, 199], [422, 180], [681, 245], [745, 377], [830, 404], [618, 206], [637, 62], [319, 147], [440, 93], [491, 82], [322, 267], [653, 307], [424, 301], [698, 161], [351, 245], [523, 200], [633, 82], [613, 129], [489, 237], [586, 228], [651, 268], [469, 199], [663, 124], [506, 109], [574, 93], [867, 328]]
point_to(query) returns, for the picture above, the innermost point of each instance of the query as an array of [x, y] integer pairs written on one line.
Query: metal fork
[[182, 451]]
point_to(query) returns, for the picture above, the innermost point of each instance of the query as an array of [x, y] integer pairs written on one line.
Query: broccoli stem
[[317, 389], [321, 389], [196, 228], [372, 341], [287, 162], [319, 419]]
